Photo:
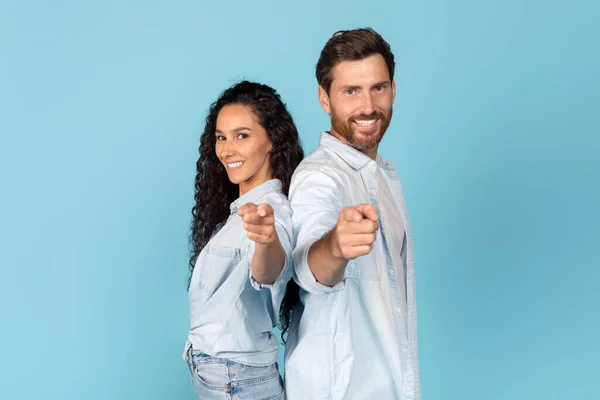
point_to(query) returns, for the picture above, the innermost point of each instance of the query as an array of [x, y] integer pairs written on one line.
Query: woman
[[242, 244]]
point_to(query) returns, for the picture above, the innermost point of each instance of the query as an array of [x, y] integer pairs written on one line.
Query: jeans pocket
[[211, 372], [259, 383], [280, 397]]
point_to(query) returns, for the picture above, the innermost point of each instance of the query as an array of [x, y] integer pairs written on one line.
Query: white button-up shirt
[[350, 341]]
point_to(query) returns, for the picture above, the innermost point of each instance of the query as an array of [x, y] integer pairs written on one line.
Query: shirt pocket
[[218, 263], [363, 268]]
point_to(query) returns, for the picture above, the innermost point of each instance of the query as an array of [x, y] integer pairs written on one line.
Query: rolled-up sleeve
[[316, 200]]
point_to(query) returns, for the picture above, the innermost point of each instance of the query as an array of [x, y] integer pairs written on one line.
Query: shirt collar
[[253, 195], [350, 155]]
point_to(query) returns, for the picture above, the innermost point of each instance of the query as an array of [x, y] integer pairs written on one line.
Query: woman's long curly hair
[[215, 192]]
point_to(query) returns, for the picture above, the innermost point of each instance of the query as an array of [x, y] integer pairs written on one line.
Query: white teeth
[[235, 164], [366, 123]]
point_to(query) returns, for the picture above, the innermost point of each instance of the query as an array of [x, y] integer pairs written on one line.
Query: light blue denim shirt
[[231, 315], [350, 341]]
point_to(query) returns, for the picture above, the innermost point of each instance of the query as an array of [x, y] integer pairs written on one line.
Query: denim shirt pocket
[[218, 262], [363, 268]]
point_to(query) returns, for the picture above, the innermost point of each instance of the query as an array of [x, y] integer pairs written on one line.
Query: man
[[354, 333]]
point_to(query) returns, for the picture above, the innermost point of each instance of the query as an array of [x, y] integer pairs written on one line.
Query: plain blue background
[[495, 136]]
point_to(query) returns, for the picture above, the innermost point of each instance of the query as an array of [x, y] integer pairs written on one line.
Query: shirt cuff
[[257, 285], [304, 276], [262, 286]]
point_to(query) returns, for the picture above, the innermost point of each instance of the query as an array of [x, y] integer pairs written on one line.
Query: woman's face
[[243, 147]]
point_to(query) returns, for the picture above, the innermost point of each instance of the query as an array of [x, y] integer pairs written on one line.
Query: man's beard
[[360, 141]]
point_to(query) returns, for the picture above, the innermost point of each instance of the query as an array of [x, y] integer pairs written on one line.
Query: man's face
[[360, 102]]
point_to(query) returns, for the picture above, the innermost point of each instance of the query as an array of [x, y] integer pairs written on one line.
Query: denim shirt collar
[[256, 193], [350, 155]]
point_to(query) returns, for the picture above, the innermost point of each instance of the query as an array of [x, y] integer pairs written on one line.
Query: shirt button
[[391, 271], [404, 350], [409, 388], [372, 192], [397, 309]]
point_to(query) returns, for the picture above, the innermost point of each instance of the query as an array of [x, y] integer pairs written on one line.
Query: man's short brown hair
[[351, 45]]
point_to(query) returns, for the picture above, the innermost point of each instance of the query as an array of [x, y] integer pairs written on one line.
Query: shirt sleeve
[[316, 199]]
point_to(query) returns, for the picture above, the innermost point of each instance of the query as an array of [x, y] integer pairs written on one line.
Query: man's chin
[[366, 141], [367, 135]]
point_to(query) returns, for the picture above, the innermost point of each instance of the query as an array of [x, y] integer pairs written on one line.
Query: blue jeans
[[218, 379]]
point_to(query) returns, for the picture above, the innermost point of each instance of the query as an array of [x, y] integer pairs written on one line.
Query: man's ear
[[324, 100]]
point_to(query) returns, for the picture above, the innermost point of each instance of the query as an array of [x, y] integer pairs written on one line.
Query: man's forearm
[[327, 266]]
